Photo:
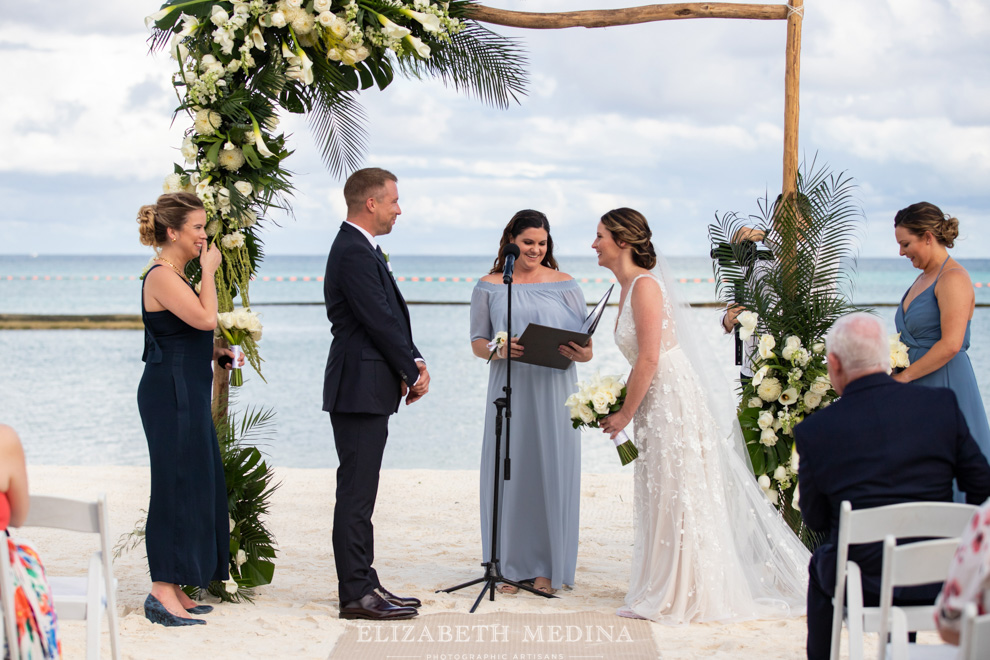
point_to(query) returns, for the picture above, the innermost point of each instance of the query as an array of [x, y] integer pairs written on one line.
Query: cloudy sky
[[679, 119]]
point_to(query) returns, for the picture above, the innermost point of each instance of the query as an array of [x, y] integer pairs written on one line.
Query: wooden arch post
[[792, 12]]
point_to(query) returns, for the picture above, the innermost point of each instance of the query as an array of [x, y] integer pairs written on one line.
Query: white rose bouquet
[[597, 399], [898, 353], [495, 344], [789, 383], [238, 327]]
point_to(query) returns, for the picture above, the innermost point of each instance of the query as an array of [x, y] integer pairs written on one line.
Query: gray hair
[[860, 341]]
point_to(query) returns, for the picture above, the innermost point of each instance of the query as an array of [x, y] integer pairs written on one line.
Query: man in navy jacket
[[373, 363], [881, 443]]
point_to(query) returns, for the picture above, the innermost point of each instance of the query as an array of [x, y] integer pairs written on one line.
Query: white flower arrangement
[[785, 388], [242, 329], [898, 353], [496, 344], [597, 399]]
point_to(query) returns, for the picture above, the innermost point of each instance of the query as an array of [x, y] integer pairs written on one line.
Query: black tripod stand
[[503, 405]]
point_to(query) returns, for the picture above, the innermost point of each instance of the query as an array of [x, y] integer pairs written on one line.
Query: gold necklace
[[174, 267]]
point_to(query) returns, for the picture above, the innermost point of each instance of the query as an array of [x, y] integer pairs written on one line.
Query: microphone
[[510, 253]]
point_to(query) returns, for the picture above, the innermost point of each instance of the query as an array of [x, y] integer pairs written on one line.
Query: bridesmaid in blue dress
[[187, 531], [935, 314], [539, 525]]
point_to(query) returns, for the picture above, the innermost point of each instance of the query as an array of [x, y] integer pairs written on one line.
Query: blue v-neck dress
[[920, 327]]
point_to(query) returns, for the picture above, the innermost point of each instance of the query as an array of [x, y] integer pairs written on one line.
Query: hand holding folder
[[541, 341]]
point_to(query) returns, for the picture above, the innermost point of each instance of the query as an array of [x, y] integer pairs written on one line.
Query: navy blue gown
[[187, 533]]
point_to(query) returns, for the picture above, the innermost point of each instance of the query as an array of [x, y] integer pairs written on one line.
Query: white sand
[[427, 537]]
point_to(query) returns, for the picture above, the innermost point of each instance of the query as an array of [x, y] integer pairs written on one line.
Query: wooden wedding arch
[[792, 12]]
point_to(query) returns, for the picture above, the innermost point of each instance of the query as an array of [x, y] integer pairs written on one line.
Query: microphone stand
[[503, 405]]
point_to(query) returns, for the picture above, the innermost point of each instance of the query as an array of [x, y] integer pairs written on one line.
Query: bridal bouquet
[[597, 399], [898, 353], [241, 328]]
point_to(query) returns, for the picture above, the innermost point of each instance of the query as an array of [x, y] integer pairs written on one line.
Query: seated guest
[[969, 577], [37, 625], [881, 443]]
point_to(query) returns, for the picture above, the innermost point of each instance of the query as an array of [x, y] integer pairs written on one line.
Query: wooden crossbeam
[[599, 18]]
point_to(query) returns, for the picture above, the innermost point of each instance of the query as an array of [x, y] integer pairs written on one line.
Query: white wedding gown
[[708, 546]]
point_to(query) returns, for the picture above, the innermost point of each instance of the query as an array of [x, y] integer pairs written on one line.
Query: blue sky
[[680, 119]]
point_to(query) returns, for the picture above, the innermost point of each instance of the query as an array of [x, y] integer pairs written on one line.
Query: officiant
[[539, 523]]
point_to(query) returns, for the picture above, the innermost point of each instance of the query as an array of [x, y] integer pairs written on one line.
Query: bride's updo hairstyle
[[630, 227], [925, 217], [520, 222], [170, 211]]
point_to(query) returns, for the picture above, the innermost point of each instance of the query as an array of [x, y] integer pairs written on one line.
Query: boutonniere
[[388, 263]]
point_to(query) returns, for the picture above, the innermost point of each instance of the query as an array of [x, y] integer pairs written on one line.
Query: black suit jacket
[[883, 442], [372, 349]]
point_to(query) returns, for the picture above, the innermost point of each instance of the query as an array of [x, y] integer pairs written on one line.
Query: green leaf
[[367, 80], [214, 152], [757, 457], [251, 156]]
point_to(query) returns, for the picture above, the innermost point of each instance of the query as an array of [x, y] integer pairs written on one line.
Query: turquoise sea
[[71, 393]]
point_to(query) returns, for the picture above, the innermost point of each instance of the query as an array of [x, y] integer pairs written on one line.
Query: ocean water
[[71, 394]]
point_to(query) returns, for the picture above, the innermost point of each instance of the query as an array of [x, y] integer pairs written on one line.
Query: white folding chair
[[974, 639], [9, 631], [913, 519], [82, 597], [908, 565]]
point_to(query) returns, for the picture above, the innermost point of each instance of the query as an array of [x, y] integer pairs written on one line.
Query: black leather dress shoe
[[398, 601], [375, 607]]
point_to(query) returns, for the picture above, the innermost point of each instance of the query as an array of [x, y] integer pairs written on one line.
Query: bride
[[708, 545]]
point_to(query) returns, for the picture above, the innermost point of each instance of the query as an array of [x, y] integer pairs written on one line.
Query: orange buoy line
[[319, 278]]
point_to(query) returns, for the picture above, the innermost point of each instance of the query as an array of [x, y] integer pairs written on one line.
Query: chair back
[[7, 599], [974, 640], [908, 565], [910, 519]]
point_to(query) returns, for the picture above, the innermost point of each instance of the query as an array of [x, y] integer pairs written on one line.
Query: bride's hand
[[615, 423]]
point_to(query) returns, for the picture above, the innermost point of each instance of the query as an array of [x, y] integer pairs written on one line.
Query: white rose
[[226, 319], [764, 482], [768, 437], [756, 402], [189, 150], [788, 397], [821, 385], [768, 341], [780, 474], [793, 342], [244, 187], [812, 400], [172, 183], [278, 19], [326, 19], [322, 5], [295, 4], [223, 200], [231, 241], [586, 414], [765, 419], [818, 348], [787, 353], [600, 401], [760, 375]]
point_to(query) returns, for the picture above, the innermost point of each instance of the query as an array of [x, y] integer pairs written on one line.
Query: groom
[[372, 364]]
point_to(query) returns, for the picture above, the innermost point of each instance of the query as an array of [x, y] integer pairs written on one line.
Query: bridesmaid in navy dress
[[935, 314], [187, 532]]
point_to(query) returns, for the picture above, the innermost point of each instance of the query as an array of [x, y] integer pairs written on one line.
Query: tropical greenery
[[250, 484], [791, 301], [242, 64]]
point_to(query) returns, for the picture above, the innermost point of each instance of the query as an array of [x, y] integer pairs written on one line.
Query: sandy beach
[[427, 538]]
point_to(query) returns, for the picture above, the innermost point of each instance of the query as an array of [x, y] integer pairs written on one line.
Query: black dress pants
[[360, 441]]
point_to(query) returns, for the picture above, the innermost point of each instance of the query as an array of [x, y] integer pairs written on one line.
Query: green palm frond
[[478, 61], [807, 286], [336, 119]]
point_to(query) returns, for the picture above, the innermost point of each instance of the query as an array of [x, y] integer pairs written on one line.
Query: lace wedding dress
[[708, 546]]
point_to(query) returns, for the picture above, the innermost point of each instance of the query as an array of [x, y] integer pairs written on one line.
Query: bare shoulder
[[10, 443], [492, 278], [646, 295], [558, 276]]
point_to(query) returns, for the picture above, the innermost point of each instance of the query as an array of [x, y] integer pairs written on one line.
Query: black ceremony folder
[[540, 341]]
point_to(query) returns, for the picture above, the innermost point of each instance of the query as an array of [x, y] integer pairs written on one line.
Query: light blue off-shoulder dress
[[920, 327], [539, 525]]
